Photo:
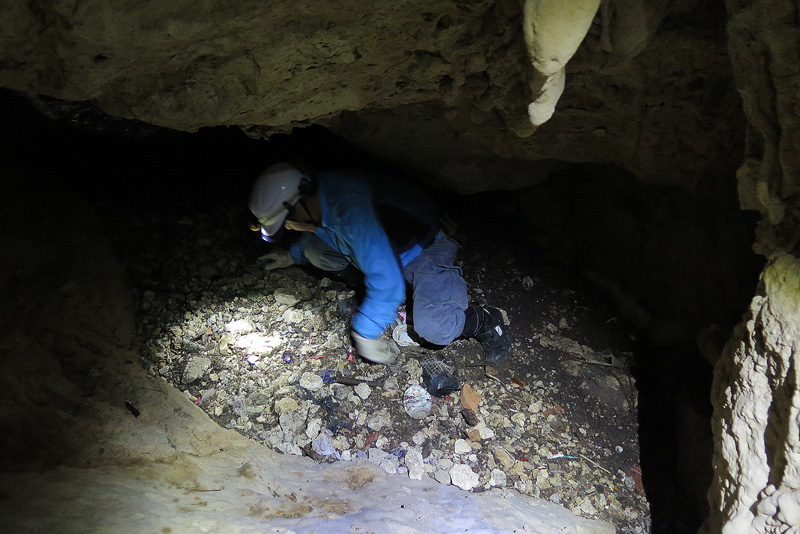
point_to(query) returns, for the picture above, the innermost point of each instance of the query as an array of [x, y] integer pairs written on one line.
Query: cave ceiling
[[444, 86]]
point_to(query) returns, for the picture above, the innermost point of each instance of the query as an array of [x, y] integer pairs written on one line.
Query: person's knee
[[438, 329], [321, 256]]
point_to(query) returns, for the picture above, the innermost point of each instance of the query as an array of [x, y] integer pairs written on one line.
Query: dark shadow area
[[122, 165]]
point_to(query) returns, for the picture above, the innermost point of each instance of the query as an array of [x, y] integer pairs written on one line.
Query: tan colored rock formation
[[445, 87], [756, 395], [649, 87], [757, 406]]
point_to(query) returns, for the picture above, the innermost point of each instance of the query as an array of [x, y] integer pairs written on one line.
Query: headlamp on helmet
[[274, 195]]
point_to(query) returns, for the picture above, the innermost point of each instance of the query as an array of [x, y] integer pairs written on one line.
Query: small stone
[[520, 418], [442, 476], [242, 326], [311, 381], [462, 447], [419, 438], [313, 428], [292, 316], [484, 431], [587, 507], [195, 368], [474, 435], [505, 459], [469, 417], [363, 390], [414, 464], [497, 478], [323, 442], [285, 299], [390, 385], [461, 475], [285, 404]]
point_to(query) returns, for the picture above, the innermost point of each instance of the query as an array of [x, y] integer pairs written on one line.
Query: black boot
[[487, 326]]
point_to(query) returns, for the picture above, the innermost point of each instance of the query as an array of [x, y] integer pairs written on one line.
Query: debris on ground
[[267, 353]]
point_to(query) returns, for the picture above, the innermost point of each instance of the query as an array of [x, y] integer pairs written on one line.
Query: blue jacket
[[379, 225]]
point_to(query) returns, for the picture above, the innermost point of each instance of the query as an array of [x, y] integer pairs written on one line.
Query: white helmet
[[274, 195]]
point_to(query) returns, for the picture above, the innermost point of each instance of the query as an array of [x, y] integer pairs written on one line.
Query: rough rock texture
[[756, 394], [763, 41], [93, 444], [757, 404], [650, 87]]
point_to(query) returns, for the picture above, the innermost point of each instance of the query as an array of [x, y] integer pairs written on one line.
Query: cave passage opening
[[170, 185]]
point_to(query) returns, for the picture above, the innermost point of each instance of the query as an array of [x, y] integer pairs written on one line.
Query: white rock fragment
[[323, 443], [313, 428], [462, 447], [414, 464], [390, 385], [242, 326], [387, 462], [498, 478], [462, 476], [195, 368], [257, 343], [292, 316], [484, 431], [363, 390], [310, 381], [291, 424]]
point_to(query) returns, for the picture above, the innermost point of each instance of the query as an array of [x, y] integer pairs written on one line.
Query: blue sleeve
[[361, 237], [383, 278]]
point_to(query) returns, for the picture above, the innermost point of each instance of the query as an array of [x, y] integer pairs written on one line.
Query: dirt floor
[[265, 353]]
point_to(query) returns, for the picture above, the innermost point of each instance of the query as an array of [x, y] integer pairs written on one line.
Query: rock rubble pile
[[268, 354]]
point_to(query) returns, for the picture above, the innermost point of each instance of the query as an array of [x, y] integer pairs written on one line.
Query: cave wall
[[649, 89], [756, 396]]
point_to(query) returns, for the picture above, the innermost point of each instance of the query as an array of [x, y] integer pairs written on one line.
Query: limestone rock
[[462, 476], [497, 478], [311, 381], [195, 368], [414, 464]]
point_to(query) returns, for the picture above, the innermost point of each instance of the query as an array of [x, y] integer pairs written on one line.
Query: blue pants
[[439, 292]]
